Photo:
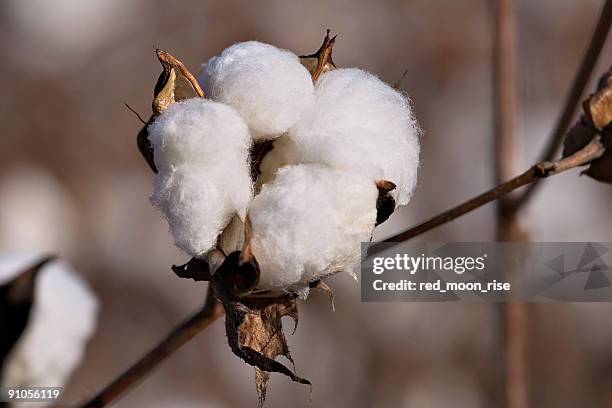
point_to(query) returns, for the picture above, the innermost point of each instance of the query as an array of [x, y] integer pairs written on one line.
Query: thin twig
[[592, 151], [135, 113], [580, 82], [181, 334]]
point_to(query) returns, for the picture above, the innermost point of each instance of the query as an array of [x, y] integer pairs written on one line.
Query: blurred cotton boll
[[48, 33], [36, 213], [61, 320]]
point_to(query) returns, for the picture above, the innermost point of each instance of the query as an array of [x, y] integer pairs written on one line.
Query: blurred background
[[72, 182]]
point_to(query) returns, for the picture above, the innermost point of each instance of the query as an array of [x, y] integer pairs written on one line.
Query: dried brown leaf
[[196, 269], [599, 108], [239, 274], [322, 286], [596, 119], [144, 145], [254, 328], [175, 83], [385, 203]]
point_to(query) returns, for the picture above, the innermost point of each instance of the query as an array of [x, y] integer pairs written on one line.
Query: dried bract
[[596, 119]]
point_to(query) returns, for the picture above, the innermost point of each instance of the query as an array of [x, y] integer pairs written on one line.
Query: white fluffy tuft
[[309, 222], [62, 319], [201, 151], [267, 85], [357, 123]]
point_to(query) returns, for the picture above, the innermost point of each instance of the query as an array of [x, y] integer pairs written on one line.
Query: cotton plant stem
[[512, 322], [504, 89], [584, 73], [181, 334]]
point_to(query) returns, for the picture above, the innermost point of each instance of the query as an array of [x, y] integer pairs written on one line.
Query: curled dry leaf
[[174, 84], [596, 119], [254, 330], [321, 61]]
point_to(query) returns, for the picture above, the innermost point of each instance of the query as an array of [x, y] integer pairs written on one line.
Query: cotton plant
[[271, 170], [47, 315]]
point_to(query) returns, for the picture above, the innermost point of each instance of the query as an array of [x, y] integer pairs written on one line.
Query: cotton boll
[[201, 150], [199, 131], [309, 223], [361, 124], [62, 319], [267, 85]]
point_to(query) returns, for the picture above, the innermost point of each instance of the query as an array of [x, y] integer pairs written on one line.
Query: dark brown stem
[[581, 80], [512, 316], [592, 151], [181, 334], [504, 89]]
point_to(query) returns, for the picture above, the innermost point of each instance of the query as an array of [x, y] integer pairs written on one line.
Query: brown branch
[[580, 82], [181, 334], [592, 151]]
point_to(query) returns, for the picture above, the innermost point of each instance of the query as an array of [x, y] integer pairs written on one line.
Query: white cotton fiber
[[308, 223], [62, 319], [201, 151], [267, 85], [361, 124]]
